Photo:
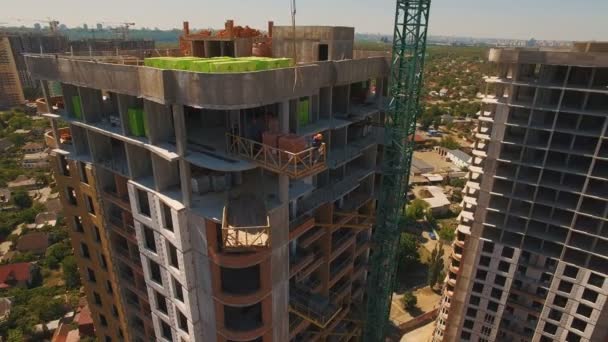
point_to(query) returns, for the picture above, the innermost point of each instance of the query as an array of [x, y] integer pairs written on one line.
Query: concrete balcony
[[295, 165], [312, 307], [339, 268], [296, 325], [340, 243], [480, 153], [318, 260], [299, 261], [121, 227], [340, 155], [482, 136], [310, 237], [239, 238], [300, 226], [454, 269], [340, 290]]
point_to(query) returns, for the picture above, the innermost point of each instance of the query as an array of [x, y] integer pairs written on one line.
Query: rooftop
[[438, 198], [460, 155], [14, 272]]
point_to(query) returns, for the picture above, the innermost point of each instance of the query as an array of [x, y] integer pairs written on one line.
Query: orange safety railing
[[295, 165], [245, 237], [314, 308]]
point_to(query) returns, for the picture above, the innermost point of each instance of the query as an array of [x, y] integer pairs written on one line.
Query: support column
[[181, 147], [47, 98], [284, 127]]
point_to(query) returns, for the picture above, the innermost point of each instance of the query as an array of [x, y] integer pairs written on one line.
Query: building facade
[[530, 258], [11, 91], [217, 221]]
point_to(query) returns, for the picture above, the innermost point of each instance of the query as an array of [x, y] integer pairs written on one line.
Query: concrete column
[[181, 146], [180, 129], [284, 117], [55, 131], [123, 112], [45, 93], [185, 182]]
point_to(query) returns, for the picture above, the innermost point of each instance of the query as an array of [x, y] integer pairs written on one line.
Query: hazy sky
[[541, 19]]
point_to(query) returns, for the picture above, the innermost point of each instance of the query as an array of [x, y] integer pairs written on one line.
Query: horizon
[[541, 19]]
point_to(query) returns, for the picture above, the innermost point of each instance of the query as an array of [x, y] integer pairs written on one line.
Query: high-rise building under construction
[[200, 207], [530, 258]]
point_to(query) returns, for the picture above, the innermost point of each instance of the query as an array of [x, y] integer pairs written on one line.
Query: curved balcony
[[234, 334], [239, 260], [476, 169], [242, 299], [293, 164], [480, 153], [482, 136], [239, 237], [454, 269], [456, 256]]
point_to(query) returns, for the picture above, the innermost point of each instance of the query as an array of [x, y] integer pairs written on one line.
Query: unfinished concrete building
[[530, 258], [11, 91], [220, 221]]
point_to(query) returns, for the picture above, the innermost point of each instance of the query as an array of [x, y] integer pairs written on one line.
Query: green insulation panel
[[303, 112], [218, 64], [232, 66], [77, 107], [137, 123]]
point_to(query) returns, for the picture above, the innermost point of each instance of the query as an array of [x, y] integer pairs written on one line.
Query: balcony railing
[[312, 307], [244, 237], [296, 165]]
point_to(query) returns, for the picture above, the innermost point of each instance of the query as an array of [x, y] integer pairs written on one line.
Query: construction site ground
[[427, 301], [422, 334], [435, 160]]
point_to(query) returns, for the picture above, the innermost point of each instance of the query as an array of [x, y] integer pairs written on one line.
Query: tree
[[449, 143], [21, 199], [70, 272], [458, 182], [15, 335], [435, 265], [447, 233], [56, 253], [409, 301], [416, 209], [408, 251]]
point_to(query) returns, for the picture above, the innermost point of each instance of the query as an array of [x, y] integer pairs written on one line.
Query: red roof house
[[19, 274]]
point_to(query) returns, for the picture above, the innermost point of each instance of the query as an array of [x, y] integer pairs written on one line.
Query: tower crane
[[409, 47], [122, 30]]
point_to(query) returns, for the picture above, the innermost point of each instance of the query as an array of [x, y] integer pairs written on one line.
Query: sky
[[516, 19]]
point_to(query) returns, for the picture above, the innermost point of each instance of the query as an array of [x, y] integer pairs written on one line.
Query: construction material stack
[[218, 64], [409, 45]]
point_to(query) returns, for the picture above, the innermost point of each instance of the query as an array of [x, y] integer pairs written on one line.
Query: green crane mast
[[409, 46]]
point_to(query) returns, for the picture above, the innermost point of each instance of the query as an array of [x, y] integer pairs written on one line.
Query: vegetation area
[[10, 161], [55, 289]]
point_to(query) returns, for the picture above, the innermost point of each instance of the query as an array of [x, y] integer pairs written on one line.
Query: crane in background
[[409, 48], [122, 30]]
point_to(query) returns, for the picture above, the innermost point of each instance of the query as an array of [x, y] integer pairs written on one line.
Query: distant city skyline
[[539, 19]]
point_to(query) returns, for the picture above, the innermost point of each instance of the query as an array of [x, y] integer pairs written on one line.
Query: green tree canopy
[[409, 301], [70, 272], [436, 265], [21, 199], [449, 143], [416, 209]]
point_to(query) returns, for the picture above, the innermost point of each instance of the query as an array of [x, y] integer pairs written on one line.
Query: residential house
[[22, 182], [33, 147], [36, 243], [457, 157], [17, 275], [437, 200], [35, 160]]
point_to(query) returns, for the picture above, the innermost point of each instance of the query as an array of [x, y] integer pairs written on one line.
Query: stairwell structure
[[218, 221]]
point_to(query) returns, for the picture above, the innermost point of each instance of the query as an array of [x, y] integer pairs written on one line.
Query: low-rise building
[[5, 308], [457, 157], [437, 200], [36, 243], [22, 182], [38, 160], [33, 147], [17, 275]]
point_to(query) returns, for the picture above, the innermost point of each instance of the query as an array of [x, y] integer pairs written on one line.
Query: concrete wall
[[339, 41]]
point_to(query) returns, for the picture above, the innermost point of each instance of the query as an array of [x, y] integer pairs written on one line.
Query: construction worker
[[317, 144]]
